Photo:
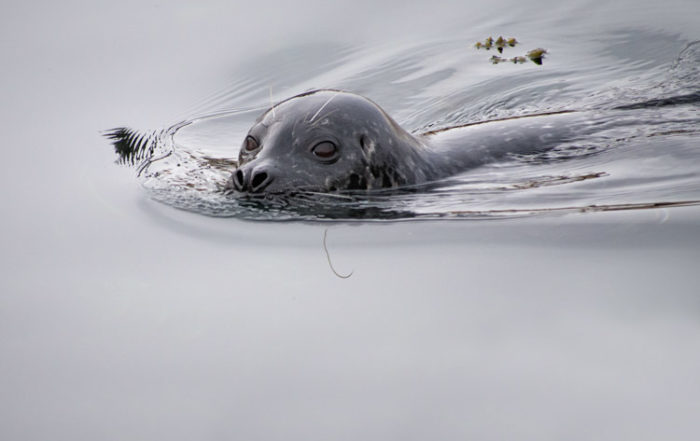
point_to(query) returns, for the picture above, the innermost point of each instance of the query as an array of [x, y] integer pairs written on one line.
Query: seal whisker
[[272, 103], [330, 195], [322, 107]]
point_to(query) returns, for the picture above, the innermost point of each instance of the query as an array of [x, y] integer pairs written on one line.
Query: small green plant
[[500, 43]]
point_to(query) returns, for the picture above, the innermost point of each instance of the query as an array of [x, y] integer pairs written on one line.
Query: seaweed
[[500, 43]]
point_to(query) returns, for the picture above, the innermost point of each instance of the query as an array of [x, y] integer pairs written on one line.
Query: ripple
[[644, 156]]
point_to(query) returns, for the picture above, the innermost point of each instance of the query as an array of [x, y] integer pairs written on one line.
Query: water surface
[[637, 147], [122, 317]]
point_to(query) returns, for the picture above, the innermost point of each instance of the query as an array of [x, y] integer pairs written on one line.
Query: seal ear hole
[[364, 142]]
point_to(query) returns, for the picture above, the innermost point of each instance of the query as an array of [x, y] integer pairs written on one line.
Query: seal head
[[324, 141]]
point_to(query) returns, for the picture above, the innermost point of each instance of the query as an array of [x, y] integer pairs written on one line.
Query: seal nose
[[259, 181], [238, 180], [254, 181]]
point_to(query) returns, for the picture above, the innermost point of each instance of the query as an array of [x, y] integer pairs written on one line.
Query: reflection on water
[[652, 121]]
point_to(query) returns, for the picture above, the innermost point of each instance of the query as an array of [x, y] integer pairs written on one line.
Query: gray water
[[125, 318], [638, 125]]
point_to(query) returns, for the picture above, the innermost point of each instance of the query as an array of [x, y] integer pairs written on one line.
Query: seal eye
[[250, 144], [325, 150]]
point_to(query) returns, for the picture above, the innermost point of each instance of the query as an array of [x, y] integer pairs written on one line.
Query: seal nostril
[[259, 181], [238, 180]]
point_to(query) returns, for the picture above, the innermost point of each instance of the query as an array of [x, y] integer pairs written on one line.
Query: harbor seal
[[331, 140]]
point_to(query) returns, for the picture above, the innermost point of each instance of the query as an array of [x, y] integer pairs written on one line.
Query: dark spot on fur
[[388, 176], [386, 180], [357, 182]]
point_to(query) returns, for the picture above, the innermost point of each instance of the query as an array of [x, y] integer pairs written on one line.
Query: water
[[639, 150], [124, 317]]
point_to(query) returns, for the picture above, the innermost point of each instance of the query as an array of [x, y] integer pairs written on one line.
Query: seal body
[[330, 140]]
